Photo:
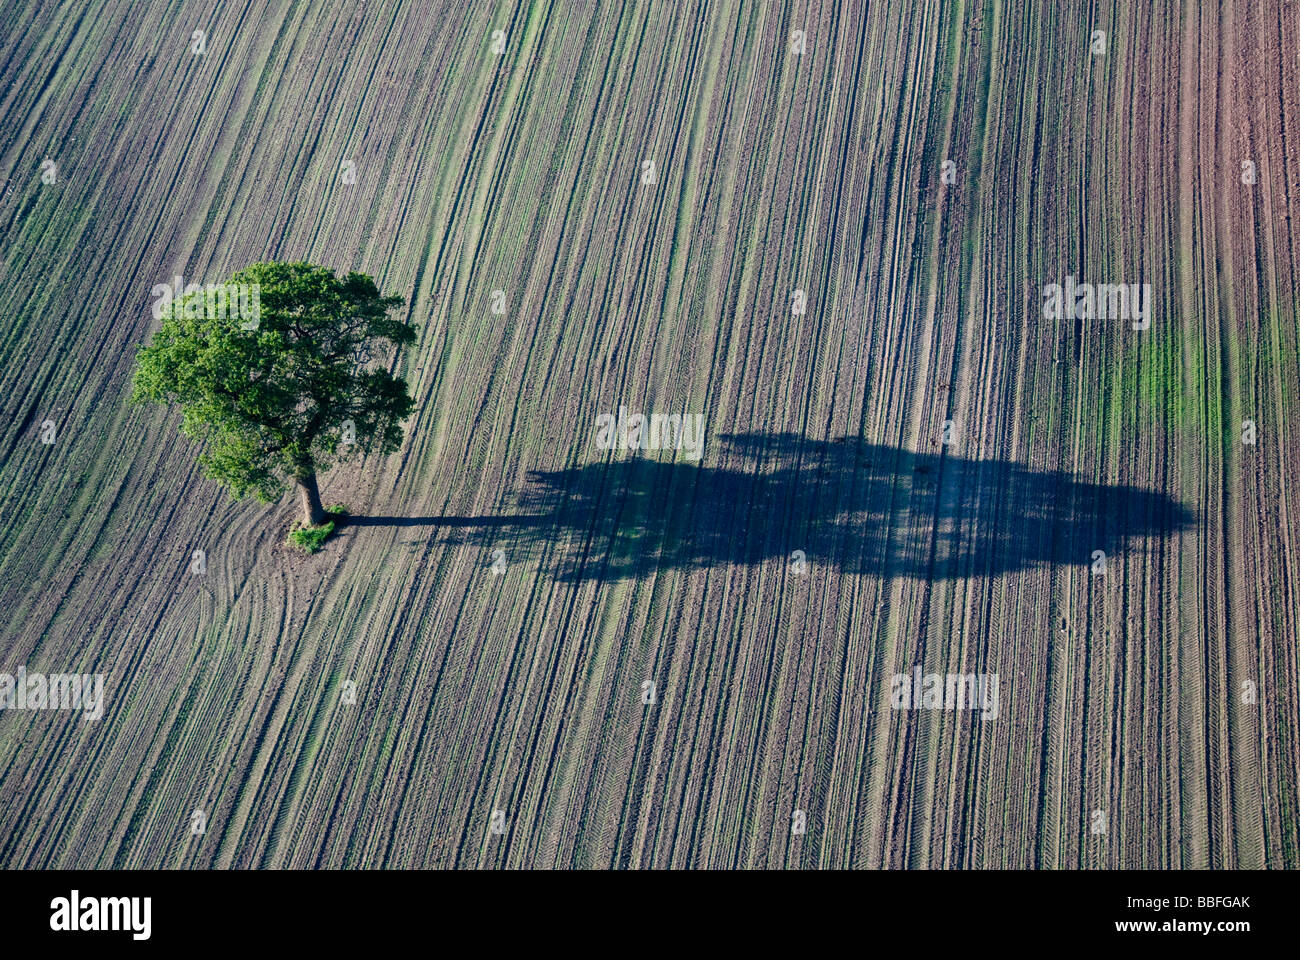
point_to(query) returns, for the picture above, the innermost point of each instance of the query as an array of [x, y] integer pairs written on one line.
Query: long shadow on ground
[[861, 507]]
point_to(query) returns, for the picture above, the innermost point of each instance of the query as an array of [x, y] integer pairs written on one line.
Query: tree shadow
[[859, 507], [348, 520]]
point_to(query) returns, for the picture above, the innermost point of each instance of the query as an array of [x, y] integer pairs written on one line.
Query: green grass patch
[[311, 539]]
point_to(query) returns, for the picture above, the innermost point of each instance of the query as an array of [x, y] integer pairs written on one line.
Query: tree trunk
[[313, 513]]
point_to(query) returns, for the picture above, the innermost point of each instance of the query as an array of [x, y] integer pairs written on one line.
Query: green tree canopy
[[276, 397]]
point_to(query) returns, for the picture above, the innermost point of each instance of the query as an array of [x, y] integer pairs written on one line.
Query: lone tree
[[285, 393]]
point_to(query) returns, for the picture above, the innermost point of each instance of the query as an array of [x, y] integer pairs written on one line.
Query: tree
[[285, 393]]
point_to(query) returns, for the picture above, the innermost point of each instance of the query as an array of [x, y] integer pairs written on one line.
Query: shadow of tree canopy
[[861, 507]]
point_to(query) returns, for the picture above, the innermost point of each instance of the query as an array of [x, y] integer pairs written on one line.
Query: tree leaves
[[272, 403]]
